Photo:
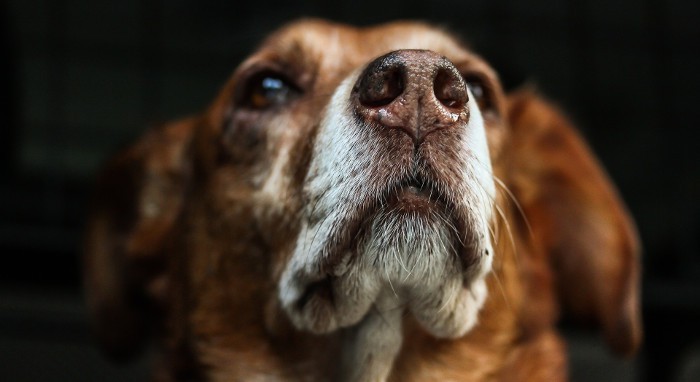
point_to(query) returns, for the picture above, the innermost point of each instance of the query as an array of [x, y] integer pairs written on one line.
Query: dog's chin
[[410, 247]]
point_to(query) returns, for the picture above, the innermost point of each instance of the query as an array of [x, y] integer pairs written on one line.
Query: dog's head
[[339, 166]]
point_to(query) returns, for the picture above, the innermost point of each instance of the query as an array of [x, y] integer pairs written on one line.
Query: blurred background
[[83, 78]]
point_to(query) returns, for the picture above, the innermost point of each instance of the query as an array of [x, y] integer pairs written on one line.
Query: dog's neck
[[371, 348], [386, 345]]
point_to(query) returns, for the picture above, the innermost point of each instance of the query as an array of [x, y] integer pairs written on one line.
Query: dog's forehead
[[329, 46]]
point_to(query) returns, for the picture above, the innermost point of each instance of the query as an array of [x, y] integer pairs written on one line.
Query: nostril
[[380, 86], [412, 91], [450, 89]]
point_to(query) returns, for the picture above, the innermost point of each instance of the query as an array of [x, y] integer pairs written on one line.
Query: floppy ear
[[577, 220], [138, 197]]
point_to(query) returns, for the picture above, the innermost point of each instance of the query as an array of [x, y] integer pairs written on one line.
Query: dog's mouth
[[401, 207], [406, 208], [410, 240], [414, 197]]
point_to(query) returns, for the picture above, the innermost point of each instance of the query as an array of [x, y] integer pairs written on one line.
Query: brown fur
[[182, 244]]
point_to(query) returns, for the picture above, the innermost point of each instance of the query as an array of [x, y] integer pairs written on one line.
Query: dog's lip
[[411, 196], [416, 190], [415, 196]]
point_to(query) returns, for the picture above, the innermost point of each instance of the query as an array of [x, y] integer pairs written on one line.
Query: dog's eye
[[477, 90], [266, 90], [480, 91]]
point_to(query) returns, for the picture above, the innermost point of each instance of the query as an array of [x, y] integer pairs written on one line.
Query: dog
[[360, 204]]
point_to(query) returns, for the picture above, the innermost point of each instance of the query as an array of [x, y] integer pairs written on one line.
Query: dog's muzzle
[[400, 197]]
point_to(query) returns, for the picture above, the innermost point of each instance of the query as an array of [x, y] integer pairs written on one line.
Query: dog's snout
[[417, 91]]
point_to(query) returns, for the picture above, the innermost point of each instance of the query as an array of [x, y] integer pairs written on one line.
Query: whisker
[[449, 224], [508, 192], [447, 300], [503, 292], [312, 213], [398, 259], [320, 226], [396, 256], [494, 202], [386, 271], [508, 230], [411, 271], [517, 204], [501, 213], [494, 238], [415, 263]]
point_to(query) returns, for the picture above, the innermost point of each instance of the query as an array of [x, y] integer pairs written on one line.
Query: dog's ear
[[138, 197], [577, 219]]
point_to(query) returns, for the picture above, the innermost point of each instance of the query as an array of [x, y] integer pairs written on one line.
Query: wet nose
[[417, 91]]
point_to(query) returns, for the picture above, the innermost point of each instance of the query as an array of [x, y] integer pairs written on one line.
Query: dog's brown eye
[[266, 90], [477, 90], [480, 92]]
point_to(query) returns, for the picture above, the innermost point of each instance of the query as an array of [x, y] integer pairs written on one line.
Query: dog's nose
[[418, 91]]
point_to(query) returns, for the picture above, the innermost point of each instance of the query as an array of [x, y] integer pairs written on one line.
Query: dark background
[[83, 78]]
